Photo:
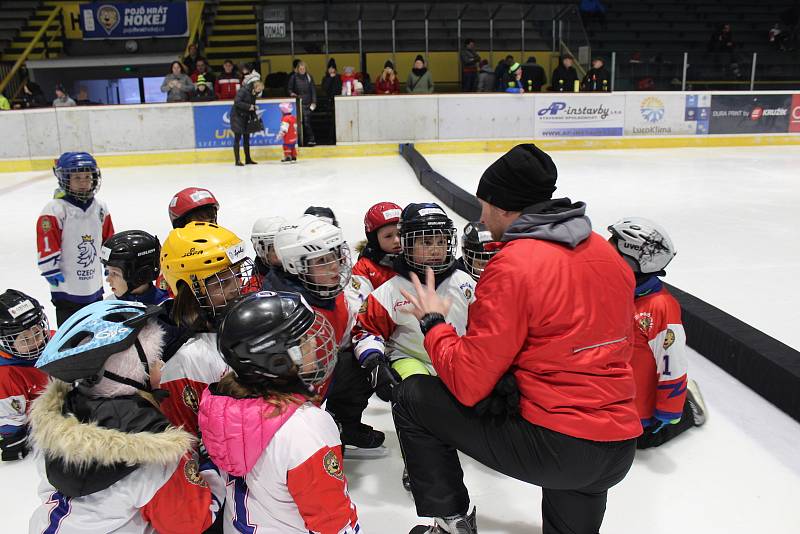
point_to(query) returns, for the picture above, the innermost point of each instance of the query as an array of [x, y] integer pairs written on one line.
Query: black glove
[[15, 446], [382, 377], [503, 401]]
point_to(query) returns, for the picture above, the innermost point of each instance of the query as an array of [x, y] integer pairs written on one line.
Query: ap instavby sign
[[654, 114], [562, 115]]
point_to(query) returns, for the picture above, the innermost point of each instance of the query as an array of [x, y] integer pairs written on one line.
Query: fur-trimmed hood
[[89, 444]]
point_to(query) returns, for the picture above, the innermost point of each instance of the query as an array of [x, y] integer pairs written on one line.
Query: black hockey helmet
[[136, 253], [473, 248], [18, 313], [424, 221], [323, 212], [277, 337]]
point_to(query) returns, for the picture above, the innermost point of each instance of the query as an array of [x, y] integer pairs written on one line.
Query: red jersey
[[659, 357], [289, 129], [19, 385]]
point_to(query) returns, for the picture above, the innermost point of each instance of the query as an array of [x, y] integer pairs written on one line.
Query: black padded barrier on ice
[[759, 361]]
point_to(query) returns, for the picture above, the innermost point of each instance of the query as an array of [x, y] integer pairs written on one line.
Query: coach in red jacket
[[548, 346]]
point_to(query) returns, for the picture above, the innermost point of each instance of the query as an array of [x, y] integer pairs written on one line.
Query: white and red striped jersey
[[384, 324], [68, 240], [186, 374]]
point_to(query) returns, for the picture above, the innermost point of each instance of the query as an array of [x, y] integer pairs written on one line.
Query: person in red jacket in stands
[[228, 83], [540, 387]]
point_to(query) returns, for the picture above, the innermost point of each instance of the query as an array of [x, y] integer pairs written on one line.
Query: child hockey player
[[206, 267], [388, 340], [111, 461], [667, 402], [476, 250], [376, 258], [323, 212], [193, 204], [69, 232], [316, 264], [263, 238], [288, 132], [23, 335], [132, 264], [281, 453]]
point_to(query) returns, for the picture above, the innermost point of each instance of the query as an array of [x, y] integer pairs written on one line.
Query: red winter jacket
[[553, 307], [387, 86]]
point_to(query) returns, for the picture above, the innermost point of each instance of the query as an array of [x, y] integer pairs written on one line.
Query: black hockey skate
[[363, 441], [696, 403], [458, 525], [287, 159]]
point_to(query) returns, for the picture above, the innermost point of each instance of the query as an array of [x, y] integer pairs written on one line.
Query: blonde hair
[[277, 399]]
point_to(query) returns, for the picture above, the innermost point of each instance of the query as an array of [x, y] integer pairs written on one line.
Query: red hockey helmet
[[190, 199], [380, 215]]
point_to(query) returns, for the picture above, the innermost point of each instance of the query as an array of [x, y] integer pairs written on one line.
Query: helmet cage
[[64, 175], [343, 263], [471, 256], [26, 347], [262, 245], [215, 285], [320, 339], [429, 258]]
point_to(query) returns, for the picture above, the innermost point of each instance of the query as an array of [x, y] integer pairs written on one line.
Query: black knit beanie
[[332, 63], [523, 176]]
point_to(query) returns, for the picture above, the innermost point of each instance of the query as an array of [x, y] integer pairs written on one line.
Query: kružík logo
[[794, 118]]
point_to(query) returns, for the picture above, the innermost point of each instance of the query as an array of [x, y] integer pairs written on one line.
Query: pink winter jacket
[[236, 431]]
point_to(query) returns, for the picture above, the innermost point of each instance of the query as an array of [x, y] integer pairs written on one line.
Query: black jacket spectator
[[332, 82], [32, 96], [240, 112], [533, 76], [598, 79], [302, 86], [721, 40], [190, 61], [564, 77]]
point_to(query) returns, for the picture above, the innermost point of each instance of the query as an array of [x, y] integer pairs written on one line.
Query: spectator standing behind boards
[[203, 91], [190, 60], [62, 99], [387, 83], [470, 59], [228, 83], [83, 98], [4, 105], [722, 40], [301, 85], [419, 79], [533, 77], [486, 79], [564, 77], [201, 69], [332, 82], [501, 74], [177, 84], [514, 83], [349, 82], [32, 96], [597, 79]]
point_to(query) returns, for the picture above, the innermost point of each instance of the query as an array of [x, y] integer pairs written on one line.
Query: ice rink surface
[[732, 214]]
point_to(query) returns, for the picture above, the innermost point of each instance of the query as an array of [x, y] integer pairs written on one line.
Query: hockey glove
[[503, 401], [14, 446], [657, 424], [55, 278], [382, 377]]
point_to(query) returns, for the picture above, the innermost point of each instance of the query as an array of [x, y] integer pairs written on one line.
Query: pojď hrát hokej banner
[[133, 20]]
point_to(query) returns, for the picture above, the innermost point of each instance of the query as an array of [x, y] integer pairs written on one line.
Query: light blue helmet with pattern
[[81, 346]]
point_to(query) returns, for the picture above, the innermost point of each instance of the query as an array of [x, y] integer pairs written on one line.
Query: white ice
[[732, 214]]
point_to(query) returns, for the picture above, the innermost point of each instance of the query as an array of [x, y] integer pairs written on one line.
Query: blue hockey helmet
[[70, 163], [81, 346]]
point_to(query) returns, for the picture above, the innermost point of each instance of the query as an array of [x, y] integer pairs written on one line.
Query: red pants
[[290, 151]]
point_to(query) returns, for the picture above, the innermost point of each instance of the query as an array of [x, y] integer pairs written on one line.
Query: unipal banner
[[666, 114], [747, 114], [133, 20], [561, 115], [212, 124], [794, 118]]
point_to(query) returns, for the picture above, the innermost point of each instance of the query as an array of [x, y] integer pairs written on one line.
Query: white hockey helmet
[[315, 251], [643, 244], [263, 235]]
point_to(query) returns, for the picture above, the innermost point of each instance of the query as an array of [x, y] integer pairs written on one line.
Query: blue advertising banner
[[133, 20], [212, 125]]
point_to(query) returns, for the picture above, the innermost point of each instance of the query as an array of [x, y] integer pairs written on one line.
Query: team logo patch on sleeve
[[16, 405], [192, 473], [190, 398], [644, 321], [45, 224], [332, 465], [669, 338], [355, 283], [364, 306]]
